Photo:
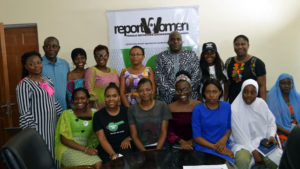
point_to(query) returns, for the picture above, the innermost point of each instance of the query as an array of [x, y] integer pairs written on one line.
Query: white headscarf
[[250, 123]]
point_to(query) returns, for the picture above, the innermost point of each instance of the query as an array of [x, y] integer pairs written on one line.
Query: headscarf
[[183, 77], [278, 106], [244, 134]]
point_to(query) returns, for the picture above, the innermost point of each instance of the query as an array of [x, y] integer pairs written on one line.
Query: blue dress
[[71, 86], [212, 126]]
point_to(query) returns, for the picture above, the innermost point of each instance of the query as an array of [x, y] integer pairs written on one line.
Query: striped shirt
[[37, 109]]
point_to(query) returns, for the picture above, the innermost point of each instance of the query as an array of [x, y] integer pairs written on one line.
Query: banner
[[150, 29]]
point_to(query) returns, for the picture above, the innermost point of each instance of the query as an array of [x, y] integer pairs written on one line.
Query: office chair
[[27, 150]]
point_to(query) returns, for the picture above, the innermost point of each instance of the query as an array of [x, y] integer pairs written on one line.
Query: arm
[[90, 79], [76, 146], [261, 80], [195, 73], [163, 85], [163, 134], [135, 138], [105, 144], [283, 130], [23, 98], [226, 89], [122, 90], [221, 144], [153, 82]]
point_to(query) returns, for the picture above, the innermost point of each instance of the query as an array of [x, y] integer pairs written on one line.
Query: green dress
[[79, 131]]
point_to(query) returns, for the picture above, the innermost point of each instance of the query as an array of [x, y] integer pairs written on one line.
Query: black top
[[252, 69], [115, 128]]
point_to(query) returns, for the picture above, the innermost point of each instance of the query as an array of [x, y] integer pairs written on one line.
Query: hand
[[257, 157], [226, 151], [221, 145], [272, 140], [91, 151], [186, 145], [125, 144], [114, 156]]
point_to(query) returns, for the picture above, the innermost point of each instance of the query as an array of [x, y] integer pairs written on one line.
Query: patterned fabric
[[58, 74], [96, 81], [131, 83], [79, 131], [183, 77], [165, 76], [237, 74], [38, 110], [71, 86]]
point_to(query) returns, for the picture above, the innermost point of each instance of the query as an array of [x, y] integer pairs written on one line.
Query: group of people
[[90, 116]]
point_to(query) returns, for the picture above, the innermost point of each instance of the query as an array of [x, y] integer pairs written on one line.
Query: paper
[[223, 166]]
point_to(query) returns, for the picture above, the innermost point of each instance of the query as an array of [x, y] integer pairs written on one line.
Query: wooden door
[[15, 40]]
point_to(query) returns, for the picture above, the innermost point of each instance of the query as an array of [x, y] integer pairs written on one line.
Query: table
[[165, 159]]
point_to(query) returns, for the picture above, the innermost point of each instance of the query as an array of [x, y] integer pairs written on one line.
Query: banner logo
[[149, 26]]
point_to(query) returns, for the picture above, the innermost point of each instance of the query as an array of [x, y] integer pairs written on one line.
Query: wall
[[271, 25]]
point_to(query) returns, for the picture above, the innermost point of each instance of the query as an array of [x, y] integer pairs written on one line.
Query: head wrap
[[183, 77], [278, 106]]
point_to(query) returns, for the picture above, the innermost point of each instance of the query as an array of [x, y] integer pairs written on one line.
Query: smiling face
[[80, 100], [101, 57], [241, 47], [51, 48], [34, 65], [183, 91], [175, 42], [80, 61], [145, 92], [210, 57], [112, 98], [285, 85], [136, 56], [249, 94], [212, 93]]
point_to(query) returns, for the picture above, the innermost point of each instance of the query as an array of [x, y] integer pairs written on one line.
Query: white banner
[[150, 29]]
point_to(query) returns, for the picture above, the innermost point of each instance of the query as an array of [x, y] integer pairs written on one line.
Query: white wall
[[273, 26]]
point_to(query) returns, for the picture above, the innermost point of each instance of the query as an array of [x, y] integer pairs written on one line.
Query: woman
[[35, 94], [76, 77], [75, 140], [212, 67], [111, 126], [180, 133], [131, 76], [284, 102], [97, 78], [252, 121], [244, 66], [148, 120], [211, 122]]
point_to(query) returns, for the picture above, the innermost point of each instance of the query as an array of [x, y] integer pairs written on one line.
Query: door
[[15, 40]]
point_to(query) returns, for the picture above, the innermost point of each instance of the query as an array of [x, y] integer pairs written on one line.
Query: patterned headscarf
[[278, 106], [183, 77]]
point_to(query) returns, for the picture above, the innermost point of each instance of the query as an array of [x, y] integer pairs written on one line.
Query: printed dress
[[79, 130], [131, 83], [96, 81], [38, 108], [71, 86]]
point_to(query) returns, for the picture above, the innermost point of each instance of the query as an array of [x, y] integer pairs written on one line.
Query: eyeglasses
[[138, 54], [184, 91], [101, 55]]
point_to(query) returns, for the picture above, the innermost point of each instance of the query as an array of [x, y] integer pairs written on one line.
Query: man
[[56, 69], [169, 62]]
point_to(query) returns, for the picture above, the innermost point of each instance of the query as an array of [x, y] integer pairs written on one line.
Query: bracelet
[[85, 150]]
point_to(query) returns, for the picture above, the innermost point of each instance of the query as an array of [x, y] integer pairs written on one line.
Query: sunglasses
[[101, 55]]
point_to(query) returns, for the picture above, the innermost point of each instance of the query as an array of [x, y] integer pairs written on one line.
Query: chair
[[27, 150]]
